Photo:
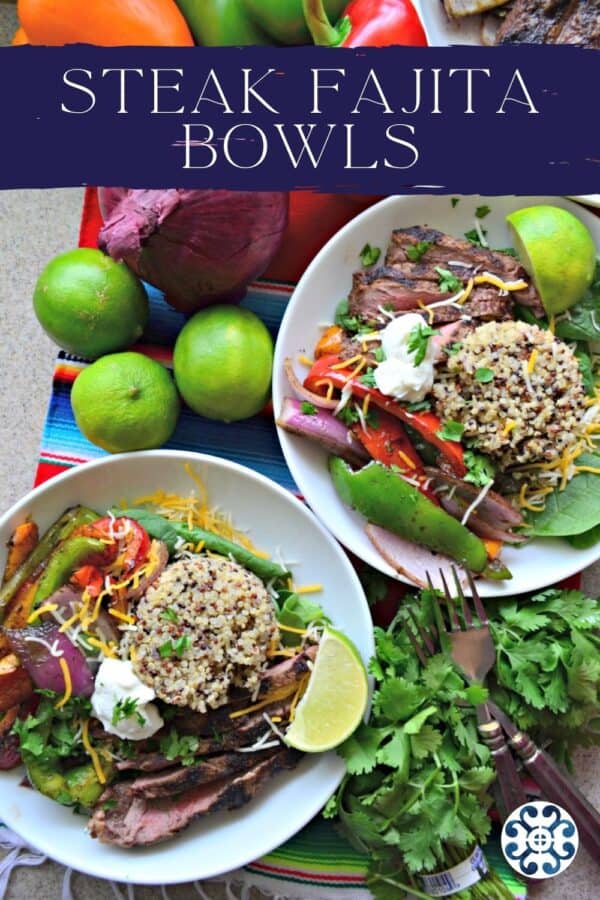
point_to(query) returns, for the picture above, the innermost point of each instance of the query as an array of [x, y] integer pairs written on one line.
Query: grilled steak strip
[[242, 732], [445, 248], [185, 778], [139, 821]]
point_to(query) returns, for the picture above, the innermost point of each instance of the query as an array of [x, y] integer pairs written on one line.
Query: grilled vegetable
[[385, 499], [21, 544], [459, 8]]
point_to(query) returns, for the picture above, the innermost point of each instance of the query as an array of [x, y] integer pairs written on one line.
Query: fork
[[472, 649]]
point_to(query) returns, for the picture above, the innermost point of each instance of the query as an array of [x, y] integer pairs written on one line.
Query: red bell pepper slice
[[426, 423], [388, 443], [366, 23], [126, 535], [88, 578]]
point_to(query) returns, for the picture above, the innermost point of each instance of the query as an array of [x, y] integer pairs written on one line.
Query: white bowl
[[327, 280], [277, 523]]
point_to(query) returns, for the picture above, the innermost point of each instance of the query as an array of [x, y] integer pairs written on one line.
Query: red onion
[[198, 247], [324, 428], [317, 399], [33, 647]]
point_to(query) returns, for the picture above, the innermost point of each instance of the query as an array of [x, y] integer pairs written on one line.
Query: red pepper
[[426, 423], [388, 443], [366, 23], [90, 578], [126, 535]]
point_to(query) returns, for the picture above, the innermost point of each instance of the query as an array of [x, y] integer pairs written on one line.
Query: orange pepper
[[330, 342], [493, 548], [19, 38], [107, 23]]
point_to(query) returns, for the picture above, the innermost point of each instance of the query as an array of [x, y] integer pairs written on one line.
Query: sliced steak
[[532, 21], [385, 288], [185, 778], [138, 821], [581, 25], [445, 249]]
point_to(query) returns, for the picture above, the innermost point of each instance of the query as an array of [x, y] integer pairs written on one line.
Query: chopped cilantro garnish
[[175, 648], [348, 415], [480, 469], [416, 252], [349, 323], [180, 747], [421, 406], [372, 419], [509, 251], [369, 255], [482, 211], [452, 349], [448, 282], [379, 354], [169, 615], [473, 236], [418, 339], [454, 201], [451, 431], [484, 375], [308, 409], [165, 649], [368, 378], [126, 708]]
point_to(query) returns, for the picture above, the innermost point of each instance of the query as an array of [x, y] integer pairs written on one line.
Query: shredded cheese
[[298, 695], [309, 589], [428, 310], [366, 403], [93, 755], [46, 608], [66, 672], [279, 694], [509, 426], [478, 499], [406, 459], [532, 360], [346, 363], [107, 649], [330, 386], [305, 361], [488, 278], [130, 620]]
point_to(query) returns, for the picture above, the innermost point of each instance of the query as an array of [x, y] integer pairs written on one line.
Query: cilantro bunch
[[50, 735], [547, 673], [416, 793]]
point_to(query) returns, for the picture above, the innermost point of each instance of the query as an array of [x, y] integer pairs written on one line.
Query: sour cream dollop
[[115, 684], [398, 376]]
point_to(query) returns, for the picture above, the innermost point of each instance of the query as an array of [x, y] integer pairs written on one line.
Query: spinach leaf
[[586, 369], [583, 322], [157, 526], [576, 509]]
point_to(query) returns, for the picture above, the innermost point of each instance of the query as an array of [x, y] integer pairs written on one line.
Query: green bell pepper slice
[[385, 499], [68, 557], [78, 786], [58, 532]]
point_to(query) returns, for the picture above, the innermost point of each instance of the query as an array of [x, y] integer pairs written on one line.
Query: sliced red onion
[[316, 399], [412, 560], [39, 649], [324, 428], [477, 525], [9, 752], [494, 508], [68, 600]]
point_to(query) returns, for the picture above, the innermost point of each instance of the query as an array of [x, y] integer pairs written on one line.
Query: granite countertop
[[34, 226]]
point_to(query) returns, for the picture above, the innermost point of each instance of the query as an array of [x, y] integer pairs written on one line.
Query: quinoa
[[517, 417], [225, 620]]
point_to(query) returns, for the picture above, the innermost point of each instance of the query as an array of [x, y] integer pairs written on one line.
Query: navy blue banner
[[463, 119]]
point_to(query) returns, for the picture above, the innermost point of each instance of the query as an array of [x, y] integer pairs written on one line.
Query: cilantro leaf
[[480, 469], [180, 747], [397, 699], [169, 615], [425, 742], [379, 354], [396, 752], [473, 236], [125, 709], [451, 431], [454, 348], [417, 251], [484, 376], [418, 342], [482, 211], [368, 378], [448, 282], [348, 415], [360, 749], [369, 255], [477, 778], [308, 409], [454, 201], [421, 406]]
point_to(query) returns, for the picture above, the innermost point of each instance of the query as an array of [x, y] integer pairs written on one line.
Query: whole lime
[[222, 362], [125, 401], [557, 250], [89, 304]]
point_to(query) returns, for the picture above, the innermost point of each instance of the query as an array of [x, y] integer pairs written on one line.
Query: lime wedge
[[557, 250], [336, 697]]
